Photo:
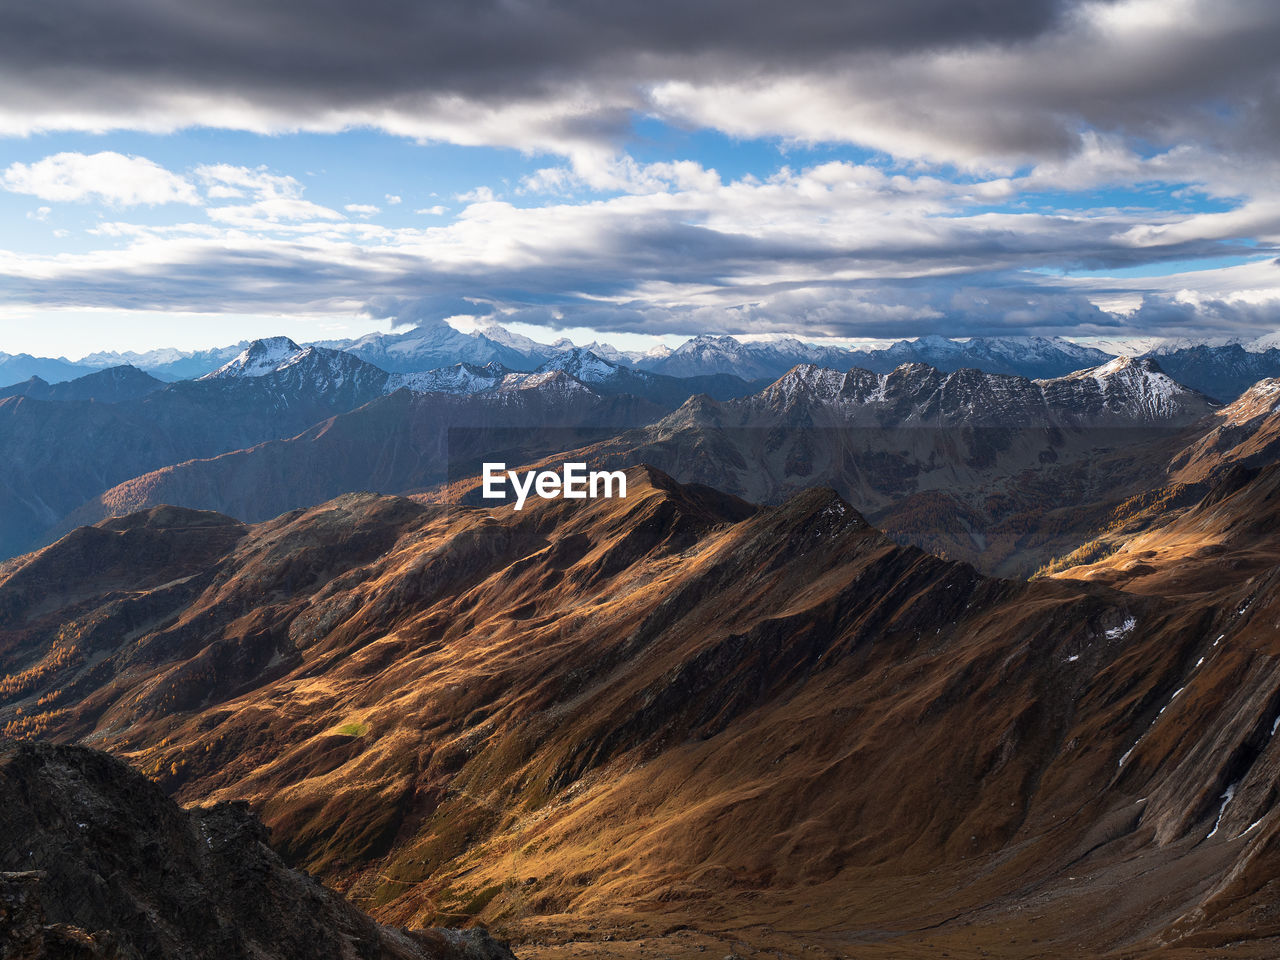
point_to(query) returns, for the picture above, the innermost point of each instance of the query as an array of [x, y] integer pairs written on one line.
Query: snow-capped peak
[[582, 364], [1134, 385], [258, 359], [460, 378]]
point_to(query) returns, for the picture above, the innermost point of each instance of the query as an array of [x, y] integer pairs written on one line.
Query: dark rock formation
[[101, 864]]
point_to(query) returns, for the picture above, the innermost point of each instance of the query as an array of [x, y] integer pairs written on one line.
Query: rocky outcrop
[[96, 862]]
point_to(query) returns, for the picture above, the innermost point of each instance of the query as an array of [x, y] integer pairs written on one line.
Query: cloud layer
[[998, 82], [838, 249], [999, 128]]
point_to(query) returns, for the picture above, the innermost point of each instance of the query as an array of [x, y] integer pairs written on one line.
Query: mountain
[[460, 378], [1130, 390], [258, 359], [675, 723], [99, 863], [23, 366], [60, 454], [112, 385], [430, 346], [1234, 443], [334, 378], [1123, 391], [1232, 531], [1081, 433], [1000, 471], [57, 454], [756, 360], [611, 377], [1031, 357], [1222, 372], [400, 443], [167, 364], [603, 376]]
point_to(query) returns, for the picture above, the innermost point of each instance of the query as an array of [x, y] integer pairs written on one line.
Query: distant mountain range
[[906, 445], [1222, 371], [998, 470], [112, 385], [62, 445], [279, 425]]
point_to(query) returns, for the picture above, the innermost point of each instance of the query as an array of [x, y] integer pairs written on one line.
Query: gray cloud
[[387, 48], [998, 81]]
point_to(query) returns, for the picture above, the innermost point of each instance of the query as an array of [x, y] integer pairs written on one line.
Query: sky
[[176, 174]]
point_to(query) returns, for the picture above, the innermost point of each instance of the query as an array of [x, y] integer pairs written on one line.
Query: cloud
[[435, 211], [228, 180], [272, 211], [107, 177], [392, 199], [992, 86], [478, 195], [836, 249], [362, 209]]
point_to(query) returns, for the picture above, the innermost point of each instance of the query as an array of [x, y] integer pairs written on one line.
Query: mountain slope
[[1222, 454], [57, 454], [15, 368], [1031, 357], [681, 718], [100, 864], [112, 385], [1223, 372], [997, 470], [430, 346], [400, 443]]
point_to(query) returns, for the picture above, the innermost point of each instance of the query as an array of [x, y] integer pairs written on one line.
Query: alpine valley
[[944, 649]]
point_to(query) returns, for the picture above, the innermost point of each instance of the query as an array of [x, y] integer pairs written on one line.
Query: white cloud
[[271, 211], [108, 177], [40, 213], [362, 209], [435, 211], [478, 195], [392, 199], [228, 180], [837, 249]]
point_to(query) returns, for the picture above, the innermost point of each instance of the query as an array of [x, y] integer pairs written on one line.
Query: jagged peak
[[583, 364], [557, 380], [808, 377], [1125, 364], [258, 359]]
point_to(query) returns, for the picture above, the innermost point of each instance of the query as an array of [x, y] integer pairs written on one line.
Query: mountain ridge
[[732, 712]]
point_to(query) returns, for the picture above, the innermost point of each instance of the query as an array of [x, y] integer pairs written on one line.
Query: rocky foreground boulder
[[96, 862]]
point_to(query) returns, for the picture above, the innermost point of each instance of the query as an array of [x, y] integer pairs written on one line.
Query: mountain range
[[678, 722], [881, 663], [65, 443], [962, 464], [1220, 370], [958, 463]]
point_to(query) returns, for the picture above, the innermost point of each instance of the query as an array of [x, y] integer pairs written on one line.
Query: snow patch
[[1226, 799], [1126, 628]]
